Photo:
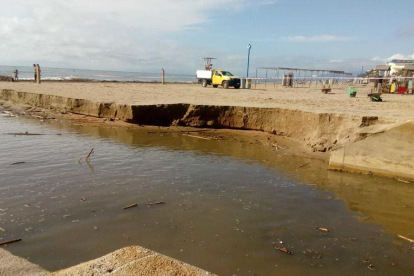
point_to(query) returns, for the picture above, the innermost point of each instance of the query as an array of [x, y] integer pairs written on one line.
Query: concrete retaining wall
[[389, 152]]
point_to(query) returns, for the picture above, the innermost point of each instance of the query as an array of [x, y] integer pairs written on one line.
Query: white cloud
[[394, 56], [401, 56], [121, 35], [318, 38]]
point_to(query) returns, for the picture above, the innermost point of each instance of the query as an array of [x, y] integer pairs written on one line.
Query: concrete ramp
[[386, 151]]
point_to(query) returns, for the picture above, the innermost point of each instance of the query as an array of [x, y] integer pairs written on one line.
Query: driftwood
[[130, 206], [304, 165], [284, 250], [201, 137], [25, 134], [17, 163], [89, 155], [29, 134], [9, 242], [405, 238], [181, 131], [156, 203], [322, 229]]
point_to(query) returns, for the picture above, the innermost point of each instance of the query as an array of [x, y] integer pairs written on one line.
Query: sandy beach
[[395, 107]]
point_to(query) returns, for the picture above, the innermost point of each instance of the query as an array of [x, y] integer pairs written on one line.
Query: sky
[[147, 35]]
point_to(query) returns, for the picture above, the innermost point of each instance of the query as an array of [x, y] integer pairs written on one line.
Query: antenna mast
[[207, 63]]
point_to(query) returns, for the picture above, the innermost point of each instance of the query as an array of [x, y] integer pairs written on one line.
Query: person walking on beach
[[35, 72], [16, 75]]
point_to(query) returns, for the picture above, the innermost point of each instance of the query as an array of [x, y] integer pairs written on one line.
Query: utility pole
[[248, 59]]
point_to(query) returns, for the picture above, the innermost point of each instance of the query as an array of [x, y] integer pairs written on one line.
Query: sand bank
[[133, 260], [394, 107]]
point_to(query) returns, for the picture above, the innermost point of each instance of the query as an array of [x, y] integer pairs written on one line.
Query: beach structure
[[383, 70], [296, 77], [399, 64], [408, 70]]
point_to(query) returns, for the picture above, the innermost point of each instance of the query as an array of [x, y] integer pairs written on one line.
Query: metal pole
[[255, 83], [266, 77], [311, 79], [248, 59], [162, 76], [277, 76]]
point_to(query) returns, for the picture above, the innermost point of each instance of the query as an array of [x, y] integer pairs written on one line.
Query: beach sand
[[394, 108]]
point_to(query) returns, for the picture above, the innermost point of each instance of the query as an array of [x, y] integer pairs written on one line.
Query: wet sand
[[394, 108]]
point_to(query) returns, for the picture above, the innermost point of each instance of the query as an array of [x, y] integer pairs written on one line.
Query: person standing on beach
[[35, 72], [16, 75]]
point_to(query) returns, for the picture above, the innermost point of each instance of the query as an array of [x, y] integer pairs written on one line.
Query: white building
[[398, 64]]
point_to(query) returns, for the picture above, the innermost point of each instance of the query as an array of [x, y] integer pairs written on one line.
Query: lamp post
[[248, 59]]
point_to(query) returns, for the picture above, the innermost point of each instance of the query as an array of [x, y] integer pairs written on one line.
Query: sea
[[48, 73]]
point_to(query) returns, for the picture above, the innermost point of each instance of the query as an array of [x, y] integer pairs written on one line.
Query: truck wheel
[[204, 83], [226, 84], [236, 86], [215, 85]]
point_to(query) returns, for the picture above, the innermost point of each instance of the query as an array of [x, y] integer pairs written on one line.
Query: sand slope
[[394, 107]]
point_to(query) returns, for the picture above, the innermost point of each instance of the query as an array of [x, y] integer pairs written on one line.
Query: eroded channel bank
[[322, 132]]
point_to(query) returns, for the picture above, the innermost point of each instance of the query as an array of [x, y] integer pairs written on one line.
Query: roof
[[402, 61], [409, 67], [382, 68], [301, 69]]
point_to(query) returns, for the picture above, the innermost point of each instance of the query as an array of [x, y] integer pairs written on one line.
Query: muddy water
[[228, 203]]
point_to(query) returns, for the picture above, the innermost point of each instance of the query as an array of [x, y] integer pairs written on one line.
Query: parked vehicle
[[218, 77]]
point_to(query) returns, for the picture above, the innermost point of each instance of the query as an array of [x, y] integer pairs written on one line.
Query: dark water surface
[[228, 204]]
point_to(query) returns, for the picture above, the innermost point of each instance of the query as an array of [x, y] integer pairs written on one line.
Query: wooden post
[[38, 74], [162, 76]]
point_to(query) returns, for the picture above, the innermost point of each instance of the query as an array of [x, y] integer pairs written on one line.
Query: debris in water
[[17, 163], [201, 137], [403, 181], [79, 161], [405, 238], [371, 267], [304, 165], [9, 242], [130, 206], [83, 199], [322, 229], [1, 229], [89, 155], [156, 203], [25, 133], [285, 250]]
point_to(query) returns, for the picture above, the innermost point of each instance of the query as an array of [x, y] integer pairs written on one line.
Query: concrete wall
[[389, 152]]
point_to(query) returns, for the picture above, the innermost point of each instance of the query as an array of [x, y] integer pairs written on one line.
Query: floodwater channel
[[228, 204]]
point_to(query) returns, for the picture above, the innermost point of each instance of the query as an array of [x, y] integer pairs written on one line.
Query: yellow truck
[[218, 77]]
